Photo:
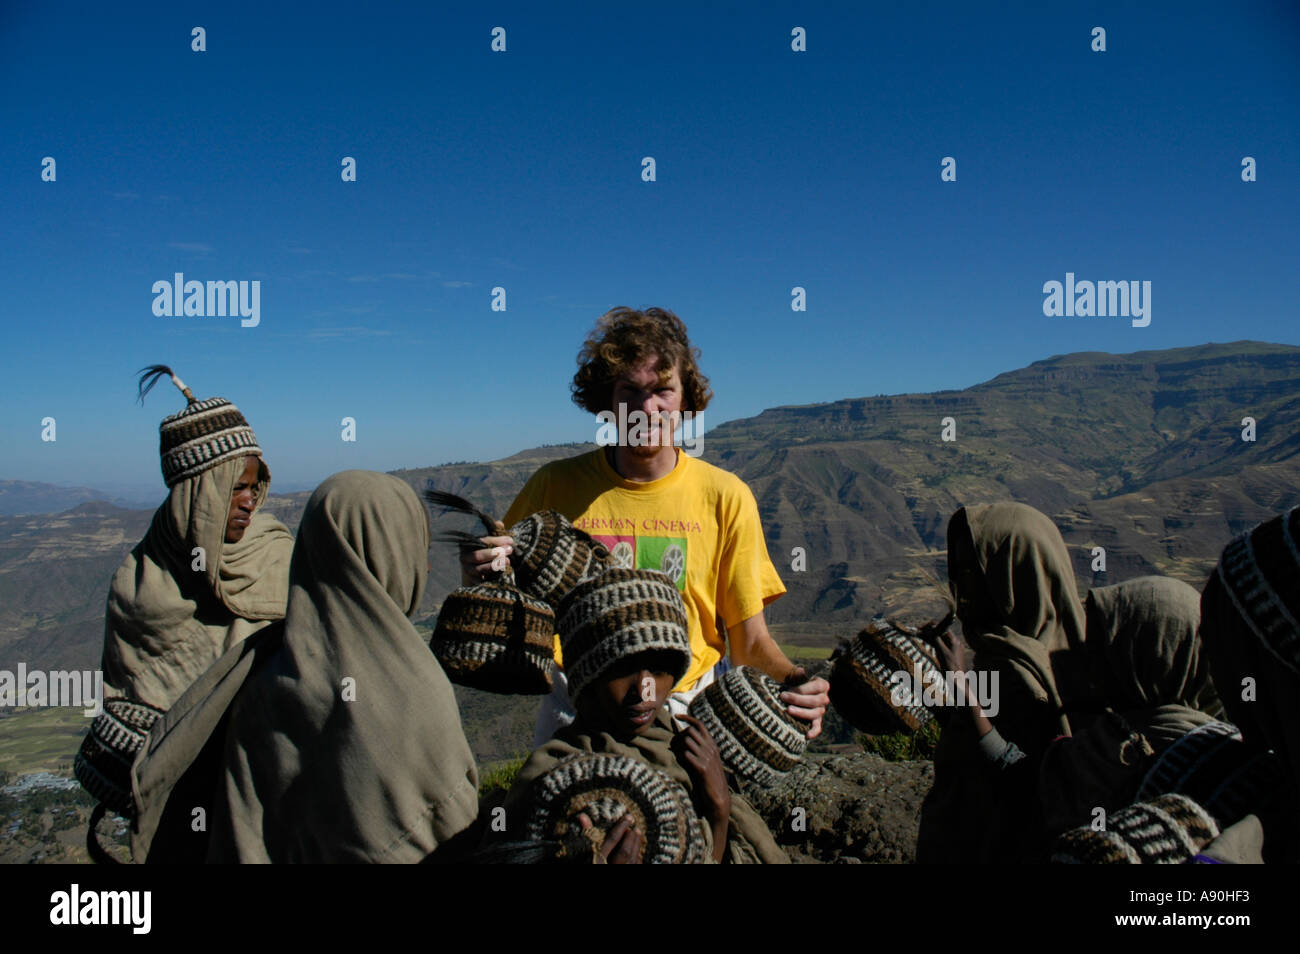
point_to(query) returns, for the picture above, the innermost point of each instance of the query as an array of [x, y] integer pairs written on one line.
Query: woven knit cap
[[616, 614], [1223, 774], [552, 556], [495, 637], [202, 436], [757, 738], [1168, 830], [865, 676], [1261, 572], [605, 788], [103, 763]]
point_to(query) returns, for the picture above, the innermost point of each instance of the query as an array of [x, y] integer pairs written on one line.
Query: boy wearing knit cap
[[625, 640], [654, 507], [211, 571]]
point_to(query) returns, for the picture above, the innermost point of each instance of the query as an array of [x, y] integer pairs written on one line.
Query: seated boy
[[625, 643]]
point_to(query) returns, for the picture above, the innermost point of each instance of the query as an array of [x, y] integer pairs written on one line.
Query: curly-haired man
[[656, 507]]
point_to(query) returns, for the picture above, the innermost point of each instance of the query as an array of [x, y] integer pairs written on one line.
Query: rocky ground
[[856, 808]]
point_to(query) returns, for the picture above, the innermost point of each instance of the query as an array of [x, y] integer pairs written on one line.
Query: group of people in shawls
[[269, 700], [267, 746], [343, 743], [1095, 694]]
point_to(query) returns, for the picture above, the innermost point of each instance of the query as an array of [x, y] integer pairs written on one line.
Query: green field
[[805, 653], [41, 740]]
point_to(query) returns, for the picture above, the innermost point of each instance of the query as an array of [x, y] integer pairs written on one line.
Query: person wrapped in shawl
[[347, 745], [625, 641], [1250, 625], [1011, 577], [212, 569], [1152, 684]]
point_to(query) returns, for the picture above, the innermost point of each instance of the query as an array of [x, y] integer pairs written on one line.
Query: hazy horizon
[[143, 492]]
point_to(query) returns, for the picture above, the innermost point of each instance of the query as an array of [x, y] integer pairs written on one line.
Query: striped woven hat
[[616, 614], [493, 636], [1169, 830], [205, 434], [1261, 572], [757, 738], [607, 787], [864, 676], [1219, 771], [552, 556], [103, 763]]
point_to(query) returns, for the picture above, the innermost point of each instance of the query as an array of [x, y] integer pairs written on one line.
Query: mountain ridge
[[1139, 453]]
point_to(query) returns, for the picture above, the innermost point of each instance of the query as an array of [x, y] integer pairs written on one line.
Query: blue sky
[[522, 170]]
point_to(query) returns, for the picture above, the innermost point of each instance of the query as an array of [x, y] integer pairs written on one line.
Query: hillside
[[1139, 453]]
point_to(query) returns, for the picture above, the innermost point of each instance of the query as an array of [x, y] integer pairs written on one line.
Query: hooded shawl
[[167, 622], [181, 765], [1147, 664], [1272, 719], [347, 745], [1020, 611], [749, 840]]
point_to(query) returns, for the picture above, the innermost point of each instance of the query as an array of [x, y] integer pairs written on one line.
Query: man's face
[[242, 502], [641, 389]]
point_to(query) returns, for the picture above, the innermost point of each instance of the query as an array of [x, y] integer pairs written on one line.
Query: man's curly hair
[[622, 340]]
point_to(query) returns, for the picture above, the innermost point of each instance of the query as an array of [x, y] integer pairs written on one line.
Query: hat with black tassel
[[203, 435], [551, 556], [492, 635]]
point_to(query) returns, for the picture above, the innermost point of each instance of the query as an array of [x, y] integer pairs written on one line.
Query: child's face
[[625, 700]]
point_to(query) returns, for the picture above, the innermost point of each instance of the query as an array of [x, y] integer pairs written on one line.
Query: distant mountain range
[[19, 497], [1141, 454]]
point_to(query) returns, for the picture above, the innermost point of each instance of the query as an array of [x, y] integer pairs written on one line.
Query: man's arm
[[752, 645]]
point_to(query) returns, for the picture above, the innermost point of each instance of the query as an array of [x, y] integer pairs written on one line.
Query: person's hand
[[807, 700], [479, 565], [705, 763], [952, 657], [622, 845]]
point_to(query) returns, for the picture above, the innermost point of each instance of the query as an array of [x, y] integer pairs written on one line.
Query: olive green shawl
[[1020, 611], [1147, 665], [347, 745]]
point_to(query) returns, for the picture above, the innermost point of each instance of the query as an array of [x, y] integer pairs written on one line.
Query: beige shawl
[[347, 745], [167, 622], [1020, 611], [179, 770], [749, 840], [1147, 663]]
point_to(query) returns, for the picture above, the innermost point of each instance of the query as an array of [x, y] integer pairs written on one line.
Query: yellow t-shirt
[[698, 523]]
